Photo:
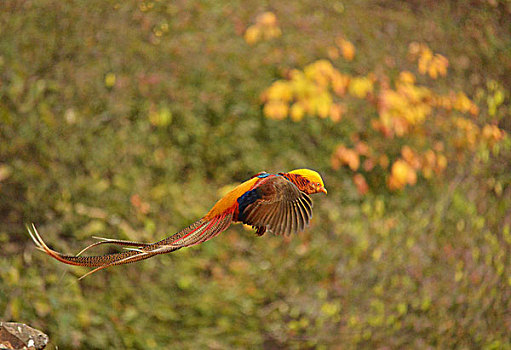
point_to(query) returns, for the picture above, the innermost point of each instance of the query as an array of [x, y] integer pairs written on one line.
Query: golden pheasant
[[278, 203]]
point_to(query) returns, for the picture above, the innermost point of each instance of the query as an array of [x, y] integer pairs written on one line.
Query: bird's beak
[[322, 189]]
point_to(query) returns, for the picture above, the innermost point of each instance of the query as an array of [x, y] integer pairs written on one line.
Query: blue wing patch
[[246, 199], [261, 175]]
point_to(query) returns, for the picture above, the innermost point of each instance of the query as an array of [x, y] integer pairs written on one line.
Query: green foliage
[[127, 120]]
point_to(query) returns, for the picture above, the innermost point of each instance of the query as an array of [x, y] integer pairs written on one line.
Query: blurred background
[[129, 119]]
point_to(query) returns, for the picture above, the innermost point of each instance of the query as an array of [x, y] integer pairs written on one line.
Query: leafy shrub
[[430, 129]]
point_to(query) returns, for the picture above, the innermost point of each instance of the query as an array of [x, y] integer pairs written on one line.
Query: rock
[[15, 335]]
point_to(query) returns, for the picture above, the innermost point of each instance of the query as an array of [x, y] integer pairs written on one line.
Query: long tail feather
[[114, 242], [141, 255], [90, 261], [196, 233], [136, 257]]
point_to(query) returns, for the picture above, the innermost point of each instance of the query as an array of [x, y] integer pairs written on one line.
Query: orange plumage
[[278, 203], [230, 198]]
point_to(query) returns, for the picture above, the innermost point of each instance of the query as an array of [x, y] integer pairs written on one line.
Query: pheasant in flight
[[277, 203]]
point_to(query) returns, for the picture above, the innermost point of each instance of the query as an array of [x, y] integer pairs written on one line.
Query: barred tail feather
[[196, 233], [89, 261], [114, 242]]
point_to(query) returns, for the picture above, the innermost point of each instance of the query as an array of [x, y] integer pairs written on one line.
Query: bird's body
[[228, 202], [278, 203]]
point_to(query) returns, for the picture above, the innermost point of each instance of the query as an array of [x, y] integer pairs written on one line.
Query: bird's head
[[308, 181]]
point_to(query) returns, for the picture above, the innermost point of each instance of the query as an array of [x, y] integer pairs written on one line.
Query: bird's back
[[229, 201]]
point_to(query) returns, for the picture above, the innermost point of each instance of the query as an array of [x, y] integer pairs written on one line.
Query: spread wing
[[277, 205]]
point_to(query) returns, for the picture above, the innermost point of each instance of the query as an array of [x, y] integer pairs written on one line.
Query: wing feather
[[260, 213], [280, 207], [284, 219], [295, 217], [281, 218], [296, 214], [275, 226], [307, 205], [308, 202], [301, 216], [272, 218], [292, 218], [283, 222], [305, 212]]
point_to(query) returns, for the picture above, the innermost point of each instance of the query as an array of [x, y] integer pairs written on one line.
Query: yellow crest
[[310, 175]]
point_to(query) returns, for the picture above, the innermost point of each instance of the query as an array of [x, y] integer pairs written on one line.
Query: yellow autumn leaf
[[110, 79], [402, 174], [332, 52], [441, 63], [267, 19], [339, 83], [432, 71], [252, 35], [406, 77], [279, 90], [462, 103], [408, 154], [275, 110], [271, 32], [441, 162], [429, 158], [297, 112], [320, 72], [349, 157], [425, 57], [161, 117], [360, 87], [347, 49], [336, 112], [323, 103]]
